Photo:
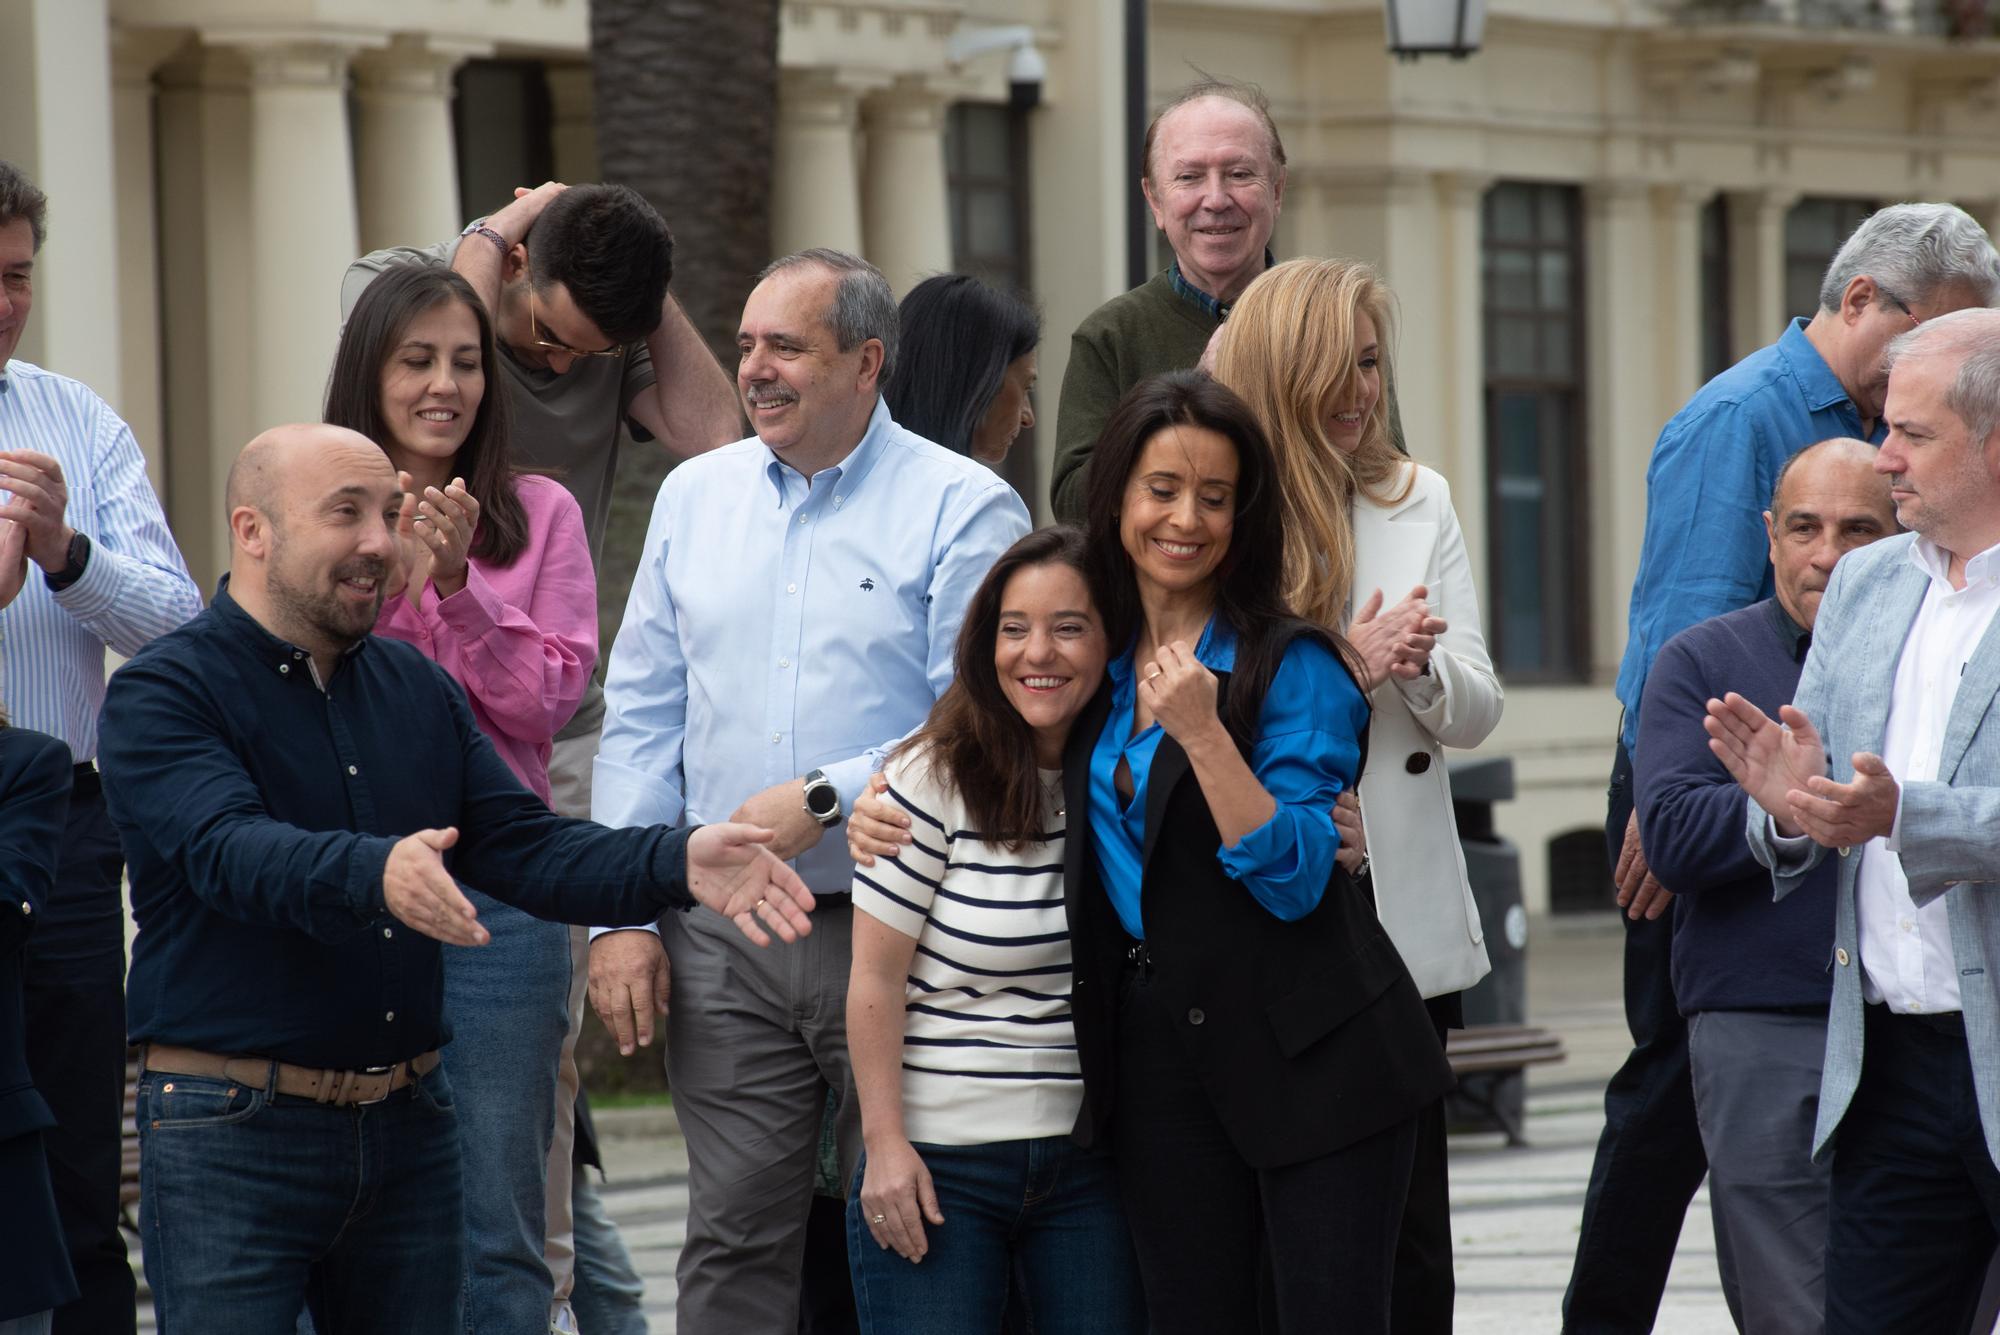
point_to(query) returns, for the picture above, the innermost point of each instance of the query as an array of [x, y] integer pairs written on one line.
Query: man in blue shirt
[[1703, 554], [794, 613], [1750, 972], [100, 571], [297, 799]]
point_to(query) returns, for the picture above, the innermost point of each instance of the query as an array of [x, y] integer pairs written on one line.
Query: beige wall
[[204, 212]]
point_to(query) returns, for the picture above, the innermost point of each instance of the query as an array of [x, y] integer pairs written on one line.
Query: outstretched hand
[[419, 890], [730, 871]]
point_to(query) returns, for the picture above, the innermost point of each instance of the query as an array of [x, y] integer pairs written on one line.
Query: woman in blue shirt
[[1254, 1052]]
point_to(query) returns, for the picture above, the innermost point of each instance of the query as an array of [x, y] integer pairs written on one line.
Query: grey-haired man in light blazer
[[1891, 755]]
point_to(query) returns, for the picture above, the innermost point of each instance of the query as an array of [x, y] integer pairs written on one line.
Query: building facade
[[1608, 203]]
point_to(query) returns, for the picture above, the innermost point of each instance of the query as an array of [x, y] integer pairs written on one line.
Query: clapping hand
[[445, 521], [1783, 766], [13, 560], [38, 503], [1396, 642]]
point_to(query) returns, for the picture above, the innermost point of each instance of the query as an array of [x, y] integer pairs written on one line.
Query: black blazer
[[34, 805], [1307, 1036]]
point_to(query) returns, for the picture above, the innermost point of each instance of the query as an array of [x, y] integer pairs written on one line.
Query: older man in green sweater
[[1215, 180]]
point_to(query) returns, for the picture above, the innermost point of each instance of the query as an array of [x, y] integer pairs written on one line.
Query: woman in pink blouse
[[500, 593]]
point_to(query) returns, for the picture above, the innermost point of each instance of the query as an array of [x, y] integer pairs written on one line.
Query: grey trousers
[[755, 1039], [1756, 1096]]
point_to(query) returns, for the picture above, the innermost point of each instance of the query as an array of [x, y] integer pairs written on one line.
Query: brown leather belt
[[340, 1088]]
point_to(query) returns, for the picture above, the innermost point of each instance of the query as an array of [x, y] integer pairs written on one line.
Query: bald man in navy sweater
[[1750, 973]]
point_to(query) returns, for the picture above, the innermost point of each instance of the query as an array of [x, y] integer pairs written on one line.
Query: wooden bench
[[1498, 1049], [128, 1172]]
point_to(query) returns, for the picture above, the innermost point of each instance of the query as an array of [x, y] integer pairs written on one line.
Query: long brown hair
[[381, 317], [975, 741], [1289, 350]]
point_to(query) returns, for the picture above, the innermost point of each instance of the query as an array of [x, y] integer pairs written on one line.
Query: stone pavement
[[1514, 1211]]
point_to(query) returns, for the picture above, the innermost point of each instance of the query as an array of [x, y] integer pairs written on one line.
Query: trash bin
[[1493, 865]]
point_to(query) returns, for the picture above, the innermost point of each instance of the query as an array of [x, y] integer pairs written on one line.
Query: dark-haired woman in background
[[966, 372], [958, 1009], [500, 592], [1254, 1052]]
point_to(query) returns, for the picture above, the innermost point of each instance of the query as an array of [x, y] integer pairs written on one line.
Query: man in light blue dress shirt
[[102, 572], [794, 613]]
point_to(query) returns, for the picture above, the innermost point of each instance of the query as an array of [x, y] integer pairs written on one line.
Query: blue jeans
[[507, 1003], [609, 1298], [253, 1204], [1043, 1211]]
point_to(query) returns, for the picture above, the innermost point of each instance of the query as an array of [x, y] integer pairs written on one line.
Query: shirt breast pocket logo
[[867, 586]]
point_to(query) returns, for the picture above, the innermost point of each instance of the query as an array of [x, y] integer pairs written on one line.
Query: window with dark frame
[[986, 175], [1532, 259], [1815, 228]]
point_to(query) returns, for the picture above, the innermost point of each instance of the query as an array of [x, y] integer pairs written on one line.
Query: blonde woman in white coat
[[1374, 547]]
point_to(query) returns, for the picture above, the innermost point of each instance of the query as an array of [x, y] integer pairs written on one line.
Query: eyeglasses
[[1899, 304], [557, 345]]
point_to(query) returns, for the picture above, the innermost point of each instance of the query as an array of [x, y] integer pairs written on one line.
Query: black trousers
[[1203, 1219], [74, 998], [1424, 1287], [1915, 1209], [1649, 1160]]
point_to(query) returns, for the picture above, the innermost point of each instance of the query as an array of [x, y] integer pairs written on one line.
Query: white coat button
[[352, 771], [1196, 1016], [1841, 955], [390, 1017]]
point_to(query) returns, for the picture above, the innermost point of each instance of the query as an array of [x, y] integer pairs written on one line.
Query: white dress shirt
[[135, 585], [1906, 954]]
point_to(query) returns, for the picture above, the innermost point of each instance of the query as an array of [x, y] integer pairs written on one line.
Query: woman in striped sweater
[[958, 1007]]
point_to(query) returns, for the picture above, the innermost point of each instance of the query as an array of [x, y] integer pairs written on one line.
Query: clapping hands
[[1396, 642]]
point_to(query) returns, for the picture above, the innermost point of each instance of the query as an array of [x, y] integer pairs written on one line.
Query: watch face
[[823, 800]]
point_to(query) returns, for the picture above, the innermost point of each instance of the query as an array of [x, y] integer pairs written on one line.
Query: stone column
[[204, 156], [302, 217], [55, 125], [1622, 334], [1757, 313], [1678, 278], [135, 54], [408, 158], [816, 184], [906, 213], [573, 127]]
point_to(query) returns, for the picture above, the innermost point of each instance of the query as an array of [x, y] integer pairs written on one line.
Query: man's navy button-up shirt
[[257, 811]]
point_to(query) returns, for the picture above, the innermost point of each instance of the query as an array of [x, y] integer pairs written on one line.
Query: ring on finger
[[878, 1218]]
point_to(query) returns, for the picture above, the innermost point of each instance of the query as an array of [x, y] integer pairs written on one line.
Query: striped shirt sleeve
[[898, 892]]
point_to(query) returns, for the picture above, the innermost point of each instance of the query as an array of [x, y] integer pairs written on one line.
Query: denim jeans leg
[[1649, 1161], [961, 1283], [238, 1195], [609, 1298], [386, 1270], [507, 1005], [1073, 1254]]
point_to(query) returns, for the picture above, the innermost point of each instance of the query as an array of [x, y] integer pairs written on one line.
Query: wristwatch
[[822, 799], [75, 559]]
